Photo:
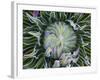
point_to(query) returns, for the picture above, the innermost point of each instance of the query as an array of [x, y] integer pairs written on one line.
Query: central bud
[[59, 38]]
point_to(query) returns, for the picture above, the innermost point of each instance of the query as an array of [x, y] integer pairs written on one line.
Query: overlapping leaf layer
[[56, 39]]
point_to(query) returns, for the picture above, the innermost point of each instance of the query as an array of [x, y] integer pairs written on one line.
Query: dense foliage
[[56, 39]]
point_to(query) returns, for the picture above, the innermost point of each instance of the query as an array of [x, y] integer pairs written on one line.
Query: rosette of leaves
[[56, 39]]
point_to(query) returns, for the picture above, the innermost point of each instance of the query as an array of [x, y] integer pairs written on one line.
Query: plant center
[[59, 38]]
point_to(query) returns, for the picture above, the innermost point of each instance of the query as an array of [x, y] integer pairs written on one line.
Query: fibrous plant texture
[[56, 39]]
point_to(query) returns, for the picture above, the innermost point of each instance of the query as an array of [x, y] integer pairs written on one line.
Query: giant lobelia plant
[[56, 39]]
